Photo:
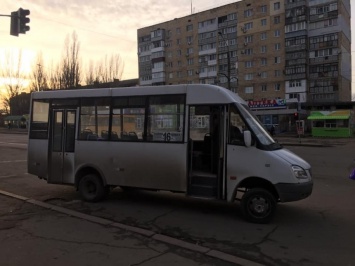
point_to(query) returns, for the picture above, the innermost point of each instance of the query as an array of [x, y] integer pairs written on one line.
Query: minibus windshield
[[258, 129]]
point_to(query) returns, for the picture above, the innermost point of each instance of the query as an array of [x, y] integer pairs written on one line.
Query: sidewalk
[[38, 233], [13, 130], [291, 139]]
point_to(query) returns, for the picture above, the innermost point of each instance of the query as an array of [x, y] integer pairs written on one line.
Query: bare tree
[[90, 76], [70, 67], [12, 73], [108, 69], [38, 75]]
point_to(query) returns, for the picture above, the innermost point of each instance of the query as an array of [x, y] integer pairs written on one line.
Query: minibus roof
[[195, 93]]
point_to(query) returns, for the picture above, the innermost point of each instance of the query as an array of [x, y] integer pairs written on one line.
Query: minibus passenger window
[[166, 118], [94, 119], [128, 118], [236, 128]]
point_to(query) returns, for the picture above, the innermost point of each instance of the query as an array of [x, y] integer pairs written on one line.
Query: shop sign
[[270, 104]]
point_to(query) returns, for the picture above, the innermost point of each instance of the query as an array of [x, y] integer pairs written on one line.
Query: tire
[[258, 205], [92, 189]]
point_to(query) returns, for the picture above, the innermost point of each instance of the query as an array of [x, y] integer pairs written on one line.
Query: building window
[[248, 51], [277, 73], [248, 39], [263, 49], [277, 59], [293, 96], [206, 23], [263, 22], [277, 20], [232, 16], [263, 75], [190, 72], [178, 52], [248, 13], [263, 61], [263, 87], [277, 46], [189, 27], [248, 64], [190, 61], [263, 36], [248, 26], [277, 6], [249, 76], [178, 41], [249, 90], [178, 30], [300, 26], [277, 33], [277, 87], [263, 9], [295, 83]]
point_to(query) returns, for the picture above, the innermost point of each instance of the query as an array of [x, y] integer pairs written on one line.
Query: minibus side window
[[128, 118], [166, 118], [236, 127], [94, 119], [39, 120]]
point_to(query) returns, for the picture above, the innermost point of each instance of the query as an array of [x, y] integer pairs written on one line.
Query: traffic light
[[14, 25], [23, 20], [19, 22]]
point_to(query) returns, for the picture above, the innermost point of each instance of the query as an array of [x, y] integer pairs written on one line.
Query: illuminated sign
[[269, 104]]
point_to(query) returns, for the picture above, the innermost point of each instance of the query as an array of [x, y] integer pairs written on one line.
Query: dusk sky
[[103, 27]]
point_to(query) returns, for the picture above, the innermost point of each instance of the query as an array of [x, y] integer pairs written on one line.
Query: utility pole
[[228, 76]]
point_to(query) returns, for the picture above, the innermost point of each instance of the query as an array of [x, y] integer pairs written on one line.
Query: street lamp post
[[228, 76]]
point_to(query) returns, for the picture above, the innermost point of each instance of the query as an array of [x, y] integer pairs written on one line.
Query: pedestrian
[[9, 125]]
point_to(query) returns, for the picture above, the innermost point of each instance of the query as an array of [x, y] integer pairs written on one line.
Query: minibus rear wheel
[[91, 188], [258, 205]]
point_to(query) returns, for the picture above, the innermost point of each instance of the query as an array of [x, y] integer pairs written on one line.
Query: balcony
[[329, 74], [324, 59], [295, 4], [294, 48], [328, 15], [322, 45]]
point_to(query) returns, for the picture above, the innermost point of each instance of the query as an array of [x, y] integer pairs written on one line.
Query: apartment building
[[276, 54]]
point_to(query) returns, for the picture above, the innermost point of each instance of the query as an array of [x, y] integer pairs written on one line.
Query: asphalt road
[[315, 231]]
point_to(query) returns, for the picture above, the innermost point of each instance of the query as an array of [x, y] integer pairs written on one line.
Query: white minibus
[[200, 140]]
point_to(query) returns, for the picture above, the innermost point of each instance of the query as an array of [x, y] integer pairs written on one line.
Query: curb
[[151, 234]]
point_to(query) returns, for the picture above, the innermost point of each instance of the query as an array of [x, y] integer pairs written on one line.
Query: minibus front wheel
[[91, 188], [258, 205]]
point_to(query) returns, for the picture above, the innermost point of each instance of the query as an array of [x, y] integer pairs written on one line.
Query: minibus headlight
[[299, 172]]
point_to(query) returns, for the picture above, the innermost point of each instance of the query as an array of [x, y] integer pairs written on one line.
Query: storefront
[[274, 113], [331, 123], [17, 121]]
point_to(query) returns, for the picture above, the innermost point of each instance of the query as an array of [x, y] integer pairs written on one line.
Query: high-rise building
[[276, 54]]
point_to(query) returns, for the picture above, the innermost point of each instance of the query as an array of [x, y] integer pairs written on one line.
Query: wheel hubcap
[[259, 205]]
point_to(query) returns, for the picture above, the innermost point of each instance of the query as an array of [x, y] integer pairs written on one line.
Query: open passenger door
[[206, 151]]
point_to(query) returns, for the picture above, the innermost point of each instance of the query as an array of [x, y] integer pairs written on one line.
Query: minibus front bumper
[[294, 192]]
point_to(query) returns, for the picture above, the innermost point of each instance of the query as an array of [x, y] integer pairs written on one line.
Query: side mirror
[[247, 138]]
